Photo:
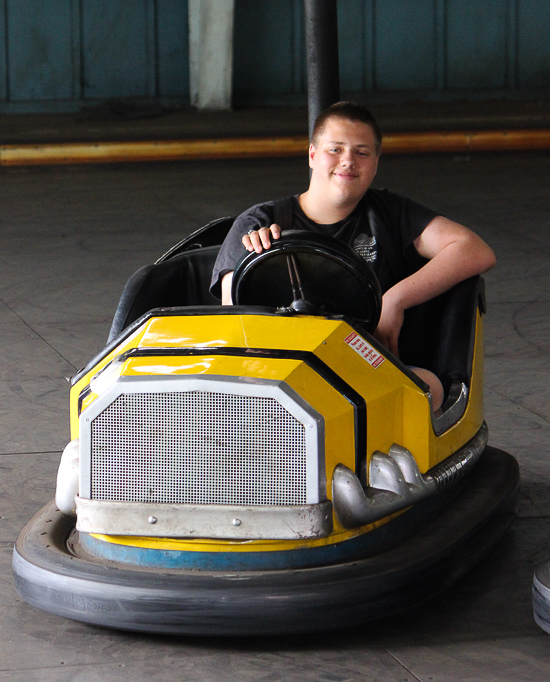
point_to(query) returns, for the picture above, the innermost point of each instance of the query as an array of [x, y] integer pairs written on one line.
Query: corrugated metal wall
[[59, 54], [430, 47]]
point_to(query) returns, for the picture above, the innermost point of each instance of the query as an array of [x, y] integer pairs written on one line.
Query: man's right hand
[[258, 240], [391, 321]]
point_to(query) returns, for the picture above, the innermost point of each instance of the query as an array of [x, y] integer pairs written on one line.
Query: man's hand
[[390, 323], [255, 240], [258, 240]]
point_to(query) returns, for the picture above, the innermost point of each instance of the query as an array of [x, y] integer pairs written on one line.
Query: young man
[[416, 253]]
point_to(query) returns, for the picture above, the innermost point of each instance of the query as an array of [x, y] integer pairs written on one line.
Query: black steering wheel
[[312, 274]]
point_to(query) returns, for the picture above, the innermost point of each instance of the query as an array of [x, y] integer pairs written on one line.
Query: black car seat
[[439, 334], [181, 277], [183, 280]]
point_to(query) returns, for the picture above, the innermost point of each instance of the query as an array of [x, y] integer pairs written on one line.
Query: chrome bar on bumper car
[[395, 482]]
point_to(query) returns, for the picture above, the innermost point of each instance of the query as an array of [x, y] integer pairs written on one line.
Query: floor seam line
[[37, 334]]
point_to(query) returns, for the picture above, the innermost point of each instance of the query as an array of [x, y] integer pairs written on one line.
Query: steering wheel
[[312, 274]]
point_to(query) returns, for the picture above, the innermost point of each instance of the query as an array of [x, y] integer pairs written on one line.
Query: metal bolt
[[236, 522], [152, 519]]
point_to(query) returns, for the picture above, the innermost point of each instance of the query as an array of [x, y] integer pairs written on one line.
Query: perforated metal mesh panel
[[199, 448]]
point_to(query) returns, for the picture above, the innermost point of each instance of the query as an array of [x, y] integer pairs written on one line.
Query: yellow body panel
[[212, 331], [398, 411]]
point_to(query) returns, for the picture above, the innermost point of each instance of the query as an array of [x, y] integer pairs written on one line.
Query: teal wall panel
[[115, 59], [40, 52], [404, 44], [172, 40], [3, 53], [267, 56], [533, 39], [354, 44], [476, 39], [435, 47], [68, 53], [61, 54]]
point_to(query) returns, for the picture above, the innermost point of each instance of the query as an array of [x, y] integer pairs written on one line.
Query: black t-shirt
[[381, 229]]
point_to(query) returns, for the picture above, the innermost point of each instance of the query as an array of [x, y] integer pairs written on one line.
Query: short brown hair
[[349, 111]]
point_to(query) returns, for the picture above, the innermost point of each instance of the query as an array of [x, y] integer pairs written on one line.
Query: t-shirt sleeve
[[411, 217], [232, 249], [403, 221]]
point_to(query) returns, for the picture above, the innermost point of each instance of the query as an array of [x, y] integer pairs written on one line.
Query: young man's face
[[345, 160]]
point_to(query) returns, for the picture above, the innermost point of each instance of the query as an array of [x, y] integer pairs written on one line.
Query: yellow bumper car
[[268, 467]]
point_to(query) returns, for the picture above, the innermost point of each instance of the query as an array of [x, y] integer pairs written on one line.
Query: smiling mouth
[[346, 176]]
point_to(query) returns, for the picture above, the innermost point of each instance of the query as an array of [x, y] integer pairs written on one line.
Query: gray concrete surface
[[134, 120], [71, 236]]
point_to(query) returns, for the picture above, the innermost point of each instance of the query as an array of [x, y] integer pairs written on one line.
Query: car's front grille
[[198, 447]]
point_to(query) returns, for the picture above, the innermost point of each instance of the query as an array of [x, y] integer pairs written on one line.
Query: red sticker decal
[[365, 350]]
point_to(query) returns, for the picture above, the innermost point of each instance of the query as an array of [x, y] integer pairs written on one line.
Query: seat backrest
[[439, 335], [182, 280]]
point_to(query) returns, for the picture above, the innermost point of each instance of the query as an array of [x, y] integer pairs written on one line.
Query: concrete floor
[[124, 121], [70, 238]]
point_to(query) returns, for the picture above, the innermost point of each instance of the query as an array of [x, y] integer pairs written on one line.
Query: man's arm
[[226, 288], [454, 253]]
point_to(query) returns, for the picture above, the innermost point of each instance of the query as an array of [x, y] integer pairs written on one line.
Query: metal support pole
[[323, 76]]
